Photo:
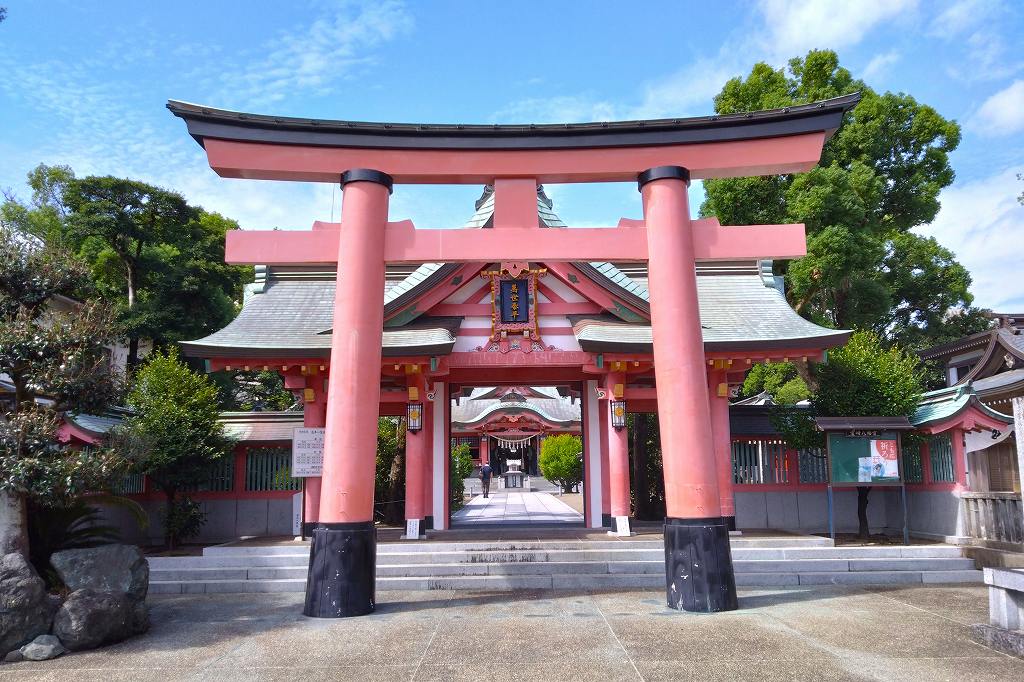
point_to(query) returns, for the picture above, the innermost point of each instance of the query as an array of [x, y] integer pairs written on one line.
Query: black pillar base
[[428, 523], [606, 520], [730, 522], [698, 566], [308, 527], [342, 570]]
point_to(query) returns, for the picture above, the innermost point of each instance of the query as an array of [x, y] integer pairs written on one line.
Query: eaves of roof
[[204, 122]]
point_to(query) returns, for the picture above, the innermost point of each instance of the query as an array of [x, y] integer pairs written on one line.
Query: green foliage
[[461, 469], [389, 486], [864, 378], [183, 519], [880, 176], [53, 351], [173, 435], [561, 460], [157, 260], [252, 391], [779, 379]]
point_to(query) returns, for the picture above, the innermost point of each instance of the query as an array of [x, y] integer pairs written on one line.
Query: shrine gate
[[657, 336]]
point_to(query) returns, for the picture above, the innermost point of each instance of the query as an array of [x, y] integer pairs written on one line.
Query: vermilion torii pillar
[[698, 564], [343, 554], [661, 155]]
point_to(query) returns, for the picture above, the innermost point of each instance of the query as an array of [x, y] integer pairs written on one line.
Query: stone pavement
[[509, 508], [853, 633]]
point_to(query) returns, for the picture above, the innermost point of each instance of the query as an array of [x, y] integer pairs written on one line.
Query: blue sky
[[85, 84]]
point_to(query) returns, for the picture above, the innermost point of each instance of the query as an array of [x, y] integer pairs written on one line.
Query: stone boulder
[[111, 568], [43, 648], [24, 607], [89, 618]]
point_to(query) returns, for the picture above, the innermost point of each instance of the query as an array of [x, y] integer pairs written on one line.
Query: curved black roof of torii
[[204, 121]]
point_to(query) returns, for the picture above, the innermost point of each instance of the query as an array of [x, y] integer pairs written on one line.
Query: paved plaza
[[508, 508], [848, 633]]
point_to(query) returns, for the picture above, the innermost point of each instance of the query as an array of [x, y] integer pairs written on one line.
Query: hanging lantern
[[414, 413], [618, 408]]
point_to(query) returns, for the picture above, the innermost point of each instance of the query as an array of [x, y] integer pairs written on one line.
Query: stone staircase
[[561, 564]]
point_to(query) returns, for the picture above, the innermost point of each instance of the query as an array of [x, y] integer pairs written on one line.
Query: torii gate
[[661, 156]]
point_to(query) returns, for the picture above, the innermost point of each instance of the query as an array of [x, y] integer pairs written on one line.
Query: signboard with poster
[[307, 452], [864, 452], [869, 459]]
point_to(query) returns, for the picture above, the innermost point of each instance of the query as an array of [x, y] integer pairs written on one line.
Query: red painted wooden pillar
[[721, 433], [956, 440], [417, 449], [428, 465], [606, 497], [485, 452], [699, 573], [314, 415], [618, 460], [343, 553]]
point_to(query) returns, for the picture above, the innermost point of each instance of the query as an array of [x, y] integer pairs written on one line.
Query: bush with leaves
[[864, 378], [174, 435], [461, 469], [184, 519], [561, 461], [53, 351], [389, 486]]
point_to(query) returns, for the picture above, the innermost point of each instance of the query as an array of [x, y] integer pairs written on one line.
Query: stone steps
[[567, 564]]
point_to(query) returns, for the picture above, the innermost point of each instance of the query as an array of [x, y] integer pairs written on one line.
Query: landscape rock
[[14, 656], [111, 568], [89, 618], [43, 648], [24, 612]]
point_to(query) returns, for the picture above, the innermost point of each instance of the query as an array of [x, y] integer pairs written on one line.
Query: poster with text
[[885, 460], [307, 452]]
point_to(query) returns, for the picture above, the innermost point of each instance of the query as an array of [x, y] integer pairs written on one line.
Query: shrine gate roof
[[557, 410], [288, 312], [207, 122]]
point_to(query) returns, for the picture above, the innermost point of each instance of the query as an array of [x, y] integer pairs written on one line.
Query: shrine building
[[462, 329]]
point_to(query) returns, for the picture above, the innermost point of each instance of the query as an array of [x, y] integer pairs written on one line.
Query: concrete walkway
[[823, 633], [508, 508]]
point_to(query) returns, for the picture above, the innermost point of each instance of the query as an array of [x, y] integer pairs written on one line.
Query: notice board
[[864, 458]]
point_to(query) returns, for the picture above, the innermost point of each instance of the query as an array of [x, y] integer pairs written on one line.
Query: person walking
[[485, 478]]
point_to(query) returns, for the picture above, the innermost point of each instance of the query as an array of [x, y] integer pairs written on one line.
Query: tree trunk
[[13, 524], [862, 511], [394, 513], [169, 537], [643, 489], [133, 340]]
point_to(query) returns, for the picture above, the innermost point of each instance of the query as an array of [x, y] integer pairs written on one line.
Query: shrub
[[561, 461], [184, 519], [461, 469]]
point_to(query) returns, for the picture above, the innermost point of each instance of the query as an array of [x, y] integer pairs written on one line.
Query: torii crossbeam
[[368, 159]]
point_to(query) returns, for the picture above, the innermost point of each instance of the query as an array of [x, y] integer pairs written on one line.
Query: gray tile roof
[[562, 411], [290, 313], [999, 382], [260, 426]]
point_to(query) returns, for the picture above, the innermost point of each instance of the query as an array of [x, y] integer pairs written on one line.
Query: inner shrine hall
[[372, 316]]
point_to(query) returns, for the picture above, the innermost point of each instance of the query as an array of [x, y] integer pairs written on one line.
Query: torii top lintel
[[254, 146]]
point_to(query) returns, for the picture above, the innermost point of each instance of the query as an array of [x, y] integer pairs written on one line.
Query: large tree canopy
[[156, 258], [879, 177]]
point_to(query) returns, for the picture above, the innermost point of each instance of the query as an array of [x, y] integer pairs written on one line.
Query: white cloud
[[983, 224], [560, 109], [1002, 113], [314, 58], [962, 16], [879, 64], [795, 27]]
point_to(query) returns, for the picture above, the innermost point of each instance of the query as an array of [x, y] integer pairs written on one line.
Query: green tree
[[561, 460], [253, 391], [780, 380], [52, 350], [864, 378], [173, 435], [461, 468], [389, 486], [880, 176]]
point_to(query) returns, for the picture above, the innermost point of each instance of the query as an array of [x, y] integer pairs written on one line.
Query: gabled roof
[[260, 426], [289, 313], [480, 407], [945, 404]]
